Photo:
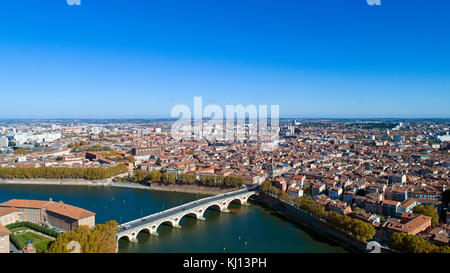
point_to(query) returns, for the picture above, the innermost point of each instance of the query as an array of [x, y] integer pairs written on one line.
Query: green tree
[[20, 151], [155, 176], [62, 172], [187, 178], [130, 159], [428, 210], [411, 243], [169, 178], [364, 231], [140, 176], [265, 186], [100, 239]]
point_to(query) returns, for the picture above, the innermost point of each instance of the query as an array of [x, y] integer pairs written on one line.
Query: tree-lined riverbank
[[62, 172]]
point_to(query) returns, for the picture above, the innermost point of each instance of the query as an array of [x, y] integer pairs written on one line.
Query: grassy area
[[17, 229], [22, 234], [39, 241]]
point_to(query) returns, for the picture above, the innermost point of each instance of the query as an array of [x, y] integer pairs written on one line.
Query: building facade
[[4, 239], [9, 216], [48, 213]]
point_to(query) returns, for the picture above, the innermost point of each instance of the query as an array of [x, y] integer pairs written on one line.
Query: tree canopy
[[427, 210], [20, 151], [187, 179], [62, 172], [100, 239], [414, 244]]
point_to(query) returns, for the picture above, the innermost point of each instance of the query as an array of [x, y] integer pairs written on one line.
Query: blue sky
[[315, 58]]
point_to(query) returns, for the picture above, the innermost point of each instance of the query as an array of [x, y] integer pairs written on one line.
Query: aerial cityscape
[[207, 128], [357, 180]]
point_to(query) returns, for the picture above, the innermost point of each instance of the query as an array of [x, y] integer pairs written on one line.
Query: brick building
[[4, 239], [49, 213], [9, 216], [409, 223]]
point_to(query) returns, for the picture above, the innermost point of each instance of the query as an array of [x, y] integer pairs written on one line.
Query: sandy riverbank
[[81, 182], [191, 189]]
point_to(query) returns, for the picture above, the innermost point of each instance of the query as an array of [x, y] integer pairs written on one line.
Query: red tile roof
[[69, 211], [4, 231], [6, 211], [20, 203]]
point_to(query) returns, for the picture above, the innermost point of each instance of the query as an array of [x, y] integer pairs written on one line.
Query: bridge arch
[[215, 206], [192, 214], [145, 229], [124, 236], [239, 199], [171, 222], [212, 206], [235, 200]]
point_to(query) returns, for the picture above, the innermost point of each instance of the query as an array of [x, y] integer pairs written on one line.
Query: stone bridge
[[173, 216]]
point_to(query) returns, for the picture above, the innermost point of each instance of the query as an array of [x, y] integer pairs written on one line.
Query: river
[[244, 229]]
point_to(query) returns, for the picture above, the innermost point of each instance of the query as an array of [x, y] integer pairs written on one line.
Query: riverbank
[[306, 221], [156, 187], [43, 181], [191, 189]]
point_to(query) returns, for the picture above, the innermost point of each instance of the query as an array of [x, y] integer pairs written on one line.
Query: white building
[[3, 141], [23, 137]]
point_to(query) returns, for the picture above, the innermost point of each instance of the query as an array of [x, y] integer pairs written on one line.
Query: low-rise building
[[390, 207], [67, 217], [396, 194], [339, 207], [408, 205], [348, 196], [397, 178], [295, 192], [280, 183], [4, 239], [9, 216], [366, 217], [335, 193], [409, 223], [49, 213], [317, 189], [322, 200]]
